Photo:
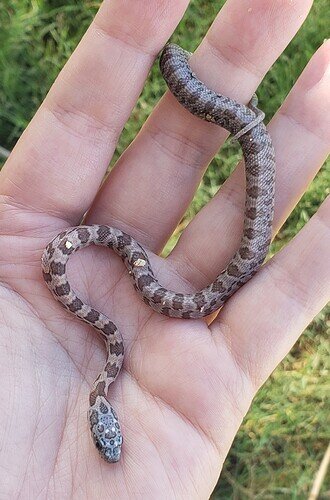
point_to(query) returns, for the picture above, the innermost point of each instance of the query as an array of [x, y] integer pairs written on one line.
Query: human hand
[[185, 386]]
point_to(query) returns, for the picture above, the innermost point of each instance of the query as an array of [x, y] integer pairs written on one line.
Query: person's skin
[[185, 385]]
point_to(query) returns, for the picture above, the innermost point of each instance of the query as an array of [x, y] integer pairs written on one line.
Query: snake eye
[[110, 433]]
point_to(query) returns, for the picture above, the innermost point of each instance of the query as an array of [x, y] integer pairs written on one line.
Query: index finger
[[60, 160]]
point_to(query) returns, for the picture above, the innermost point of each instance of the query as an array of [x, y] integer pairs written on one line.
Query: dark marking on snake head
[[93, 417], [114, 414], [103, 408], [98, 444]]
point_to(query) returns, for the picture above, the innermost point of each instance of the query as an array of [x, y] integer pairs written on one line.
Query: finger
[[60, 160], [154, 181], [300, 133], [281, 300]]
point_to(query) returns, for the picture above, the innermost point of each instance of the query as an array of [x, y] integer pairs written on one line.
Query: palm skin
[[185, 385], [180, 397], [168, 389]]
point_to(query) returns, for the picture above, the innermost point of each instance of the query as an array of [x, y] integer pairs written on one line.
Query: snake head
[[105, 430]]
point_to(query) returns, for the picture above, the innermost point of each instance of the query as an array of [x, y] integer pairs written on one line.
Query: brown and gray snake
[[245, 123]]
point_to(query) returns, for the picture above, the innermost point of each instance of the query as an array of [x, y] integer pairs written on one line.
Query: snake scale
[[246, 124]]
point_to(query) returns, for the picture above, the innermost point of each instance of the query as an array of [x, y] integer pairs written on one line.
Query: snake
[[245, 124]]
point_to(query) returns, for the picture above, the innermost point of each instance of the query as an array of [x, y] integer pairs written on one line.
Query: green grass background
[[285, 434]]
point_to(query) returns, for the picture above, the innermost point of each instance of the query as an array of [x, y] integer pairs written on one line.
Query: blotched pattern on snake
[[243, 122]]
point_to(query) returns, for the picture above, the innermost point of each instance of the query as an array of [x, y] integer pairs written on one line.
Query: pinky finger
[[279, 302]]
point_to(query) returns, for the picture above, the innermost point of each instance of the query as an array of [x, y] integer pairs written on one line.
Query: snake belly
[[241, 121]]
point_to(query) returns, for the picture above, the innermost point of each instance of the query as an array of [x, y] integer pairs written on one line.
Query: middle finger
[[154, 181]]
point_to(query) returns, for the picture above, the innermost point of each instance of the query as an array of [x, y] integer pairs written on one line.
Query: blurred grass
[[281, 443]]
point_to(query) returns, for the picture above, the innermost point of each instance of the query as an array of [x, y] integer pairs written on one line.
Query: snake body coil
[[244, 122]]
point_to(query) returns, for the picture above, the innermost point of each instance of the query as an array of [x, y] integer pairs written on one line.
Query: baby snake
[[243, 122]]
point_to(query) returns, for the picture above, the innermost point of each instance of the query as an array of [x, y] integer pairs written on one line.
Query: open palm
[[185, 385]]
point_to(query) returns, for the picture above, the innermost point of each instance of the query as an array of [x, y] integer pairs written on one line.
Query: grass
[[281, 443]]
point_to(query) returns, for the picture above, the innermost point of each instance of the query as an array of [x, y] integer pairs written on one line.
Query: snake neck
[[102, 418], [105, 429]]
